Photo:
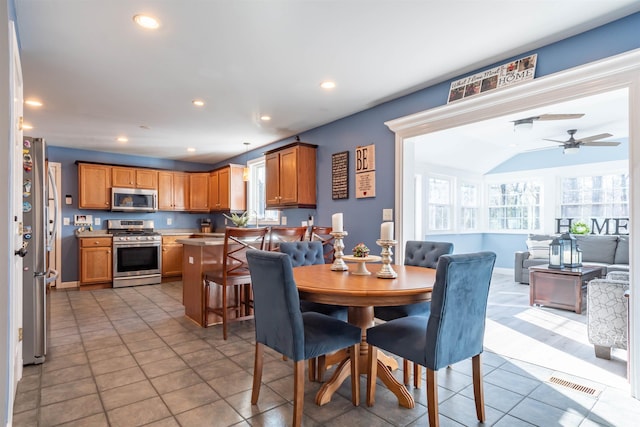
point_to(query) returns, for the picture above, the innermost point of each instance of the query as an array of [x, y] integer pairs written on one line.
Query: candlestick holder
[[386, 272], [338, 247]]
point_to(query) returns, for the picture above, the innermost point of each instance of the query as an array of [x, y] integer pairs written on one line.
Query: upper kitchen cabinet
[[291, 176], [173, 191], [227, 190], [94, 186], [134, 178], [199, 192]]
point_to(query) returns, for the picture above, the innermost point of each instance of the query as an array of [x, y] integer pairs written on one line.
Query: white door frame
[[616, 72]]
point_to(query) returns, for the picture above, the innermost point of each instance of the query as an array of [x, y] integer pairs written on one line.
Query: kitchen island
[[199, 255]]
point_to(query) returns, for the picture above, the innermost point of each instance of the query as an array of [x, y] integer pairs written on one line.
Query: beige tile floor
[[128, 356]]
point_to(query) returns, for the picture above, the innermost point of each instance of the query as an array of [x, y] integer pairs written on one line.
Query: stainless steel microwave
[[134, 200]]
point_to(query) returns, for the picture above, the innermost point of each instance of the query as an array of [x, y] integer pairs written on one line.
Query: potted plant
[[361, 250], [238, 220]]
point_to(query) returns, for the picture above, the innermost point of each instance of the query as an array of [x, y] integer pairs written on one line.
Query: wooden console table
[[561, 288]]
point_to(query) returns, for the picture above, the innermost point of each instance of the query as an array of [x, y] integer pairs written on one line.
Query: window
[[468, 207], [514, 205], [439, 204], [605, 196], [256, 202]]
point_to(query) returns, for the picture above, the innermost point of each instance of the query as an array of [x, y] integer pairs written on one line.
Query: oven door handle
[[135, 244]]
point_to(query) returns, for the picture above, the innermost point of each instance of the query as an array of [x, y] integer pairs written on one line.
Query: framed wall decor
[[340, 175]]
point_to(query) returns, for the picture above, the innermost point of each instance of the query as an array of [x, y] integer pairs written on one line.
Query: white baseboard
[[67, 285], [503, 270]]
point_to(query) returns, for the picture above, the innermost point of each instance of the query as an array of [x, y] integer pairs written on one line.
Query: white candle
[[386, 231], [336, 222]]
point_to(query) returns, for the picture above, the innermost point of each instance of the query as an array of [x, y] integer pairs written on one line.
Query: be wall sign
[[366, 171]]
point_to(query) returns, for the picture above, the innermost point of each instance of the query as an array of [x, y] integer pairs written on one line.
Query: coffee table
[[561, 288]]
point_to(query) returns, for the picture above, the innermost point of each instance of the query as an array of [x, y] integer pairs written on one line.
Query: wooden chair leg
[[354, 356], [478, 390], [298, 392], [322, 368], [405, 372], [372, 375], [417, 375], [206, 302], [312, 369], [224, 312], [432, 397], [257, 373]]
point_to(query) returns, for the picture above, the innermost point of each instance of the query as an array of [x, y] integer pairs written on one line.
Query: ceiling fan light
[[571, 150], [523, 125]]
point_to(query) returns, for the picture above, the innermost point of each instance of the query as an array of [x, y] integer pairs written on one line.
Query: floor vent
[[575, 386]]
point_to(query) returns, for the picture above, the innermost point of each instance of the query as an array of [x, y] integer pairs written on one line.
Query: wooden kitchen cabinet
[[94, 186], [227, 190], [173, 191], [96, 261], [171, 256], [291, 176], [134, 178], [199, 192]]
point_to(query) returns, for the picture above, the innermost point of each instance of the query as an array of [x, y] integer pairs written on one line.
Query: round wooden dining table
[[318, 283]]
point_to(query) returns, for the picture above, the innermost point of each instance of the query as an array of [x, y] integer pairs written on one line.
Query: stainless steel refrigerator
[[37, 240]]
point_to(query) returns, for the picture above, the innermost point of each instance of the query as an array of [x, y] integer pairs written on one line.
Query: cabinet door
[[288, 176], [199, 192], [147, 178], [272, 184], [123, 177], [180, 191], [171, 257], [165, 191], [95, 265], [224, 186], [214, 194], [237, 189], [94, 182]]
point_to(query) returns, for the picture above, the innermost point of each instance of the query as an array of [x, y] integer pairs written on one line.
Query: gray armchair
[[607, 313]]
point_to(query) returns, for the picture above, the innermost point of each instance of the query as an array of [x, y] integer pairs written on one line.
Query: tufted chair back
[[303, 253], [425, 253]]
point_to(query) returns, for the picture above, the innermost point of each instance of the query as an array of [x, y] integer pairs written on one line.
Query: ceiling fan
[[527, 123], [572, 145]]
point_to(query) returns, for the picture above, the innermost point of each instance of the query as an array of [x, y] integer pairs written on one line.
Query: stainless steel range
[[137, 252]]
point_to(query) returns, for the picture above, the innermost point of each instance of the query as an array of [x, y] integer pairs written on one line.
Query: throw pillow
[[538, 249]]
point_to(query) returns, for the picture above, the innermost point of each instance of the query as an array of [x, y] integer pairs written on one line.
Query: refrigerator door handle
[[52, 236], [52, 276]]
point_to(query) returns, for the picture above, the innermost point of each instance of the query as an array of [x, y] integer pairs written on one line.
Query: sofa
[[610, 251], [607, 317]]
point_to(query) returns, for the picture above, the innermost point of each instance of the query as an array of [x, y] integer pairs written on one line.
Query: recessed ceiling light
[[146, 21], [191, 149], [145, 127], [198, 102], [26, 126], [33, 103], [328, 85], [122, 139], [265, 118]]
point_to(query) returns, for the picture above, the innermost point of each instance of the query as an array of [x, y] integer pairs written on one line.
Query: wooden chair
[[234, 273], [452, 332], [323, 234], [281, 326], [278, 235]]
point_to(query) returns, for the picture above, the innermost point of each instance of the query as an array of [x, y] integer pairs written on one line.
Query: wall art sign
[[340, 175], [365, 171], [504, 75]]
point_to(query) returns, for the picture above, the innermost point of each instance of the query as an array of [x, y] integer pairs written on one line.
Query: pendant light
[[245, 171]]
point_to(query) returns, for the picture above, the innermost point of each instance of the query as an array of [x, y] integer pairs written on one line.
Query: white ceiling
[[100, 76]]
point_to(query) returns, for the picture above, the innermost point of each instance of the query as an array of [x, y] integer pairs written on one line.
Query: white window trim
[[250, 196]]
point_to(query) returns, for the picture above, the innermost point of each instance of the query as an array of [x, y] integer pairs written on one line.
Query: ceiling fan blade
[[559, 116], [594, 137], [600, 144], [555, 140]]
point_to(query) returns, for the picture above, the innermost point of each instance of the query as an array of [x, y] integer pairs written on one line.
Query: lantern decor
[[571, 255], [555, 254]]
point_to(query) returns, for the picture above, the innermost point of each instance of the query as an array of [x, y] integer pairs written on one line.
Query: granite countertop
[[94, 233], [163, 232], [202, 241]]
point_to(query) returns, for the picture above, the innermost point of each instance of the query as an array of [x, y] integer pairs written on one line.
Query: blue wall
[[362, 217]]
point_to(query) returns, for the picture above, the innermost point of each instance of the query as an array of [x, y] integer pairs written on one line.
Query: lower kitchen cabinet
[[171, 256], [96, 261]]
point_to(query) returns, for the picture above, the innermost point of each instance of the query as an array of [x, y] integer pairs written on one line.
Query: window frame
[[253, 197]]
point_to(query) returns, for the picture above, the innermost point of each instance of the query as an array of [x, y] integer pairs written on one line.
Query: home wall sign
[[617, 226], [340, 175], [504, 75], [365, 171]]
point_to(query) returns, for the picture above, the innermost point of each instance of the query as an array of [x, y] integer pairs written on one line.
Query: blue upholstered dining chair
[[281, 326], [419, 254], [452, 332], [311, 253]]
